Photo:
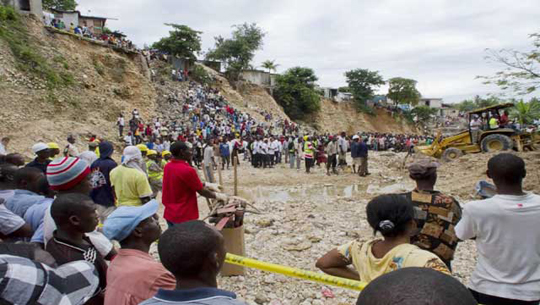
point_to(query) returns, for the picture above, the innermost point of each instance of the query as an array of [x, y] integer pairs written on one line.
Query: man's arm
[[335, 264]]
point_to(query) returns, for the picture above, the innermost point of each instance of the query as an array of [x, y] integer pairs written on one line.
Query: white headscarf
[[133, 158]]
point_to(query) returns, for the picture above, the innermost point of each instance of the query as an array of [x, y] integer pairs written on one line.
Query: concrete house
[[431, 102], [258, 77], [26, 6], [94, 24]]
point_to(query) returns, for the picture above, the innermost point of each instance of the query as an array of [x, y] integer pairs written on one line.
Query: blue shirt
[[362, 150], [102, 192], [200, 296], [32, 208], [224, 150], [355, 149]]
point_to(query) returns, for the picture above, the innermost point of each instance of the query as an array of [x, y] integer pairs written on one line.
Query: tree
[[295, 92], [424, 113], [61, 5], [183, 42], [466, 105], [270, 65], [362, 84], [237, 52], [526, 113], [477, 102], [403, 91], [521, 74]]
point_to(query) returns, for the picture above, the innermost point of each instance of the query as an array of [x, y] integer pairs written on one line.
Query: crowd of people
[[65, 212]]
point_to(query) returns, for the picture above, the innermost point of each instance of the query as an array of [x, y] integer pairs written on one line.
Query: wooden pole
[[235, 176], [210, 206], [219, 172]]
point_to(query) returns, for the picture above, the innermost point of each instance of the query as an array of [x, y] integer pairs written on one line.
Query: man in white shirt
[[264, 151], [507, 238], [208, 159]]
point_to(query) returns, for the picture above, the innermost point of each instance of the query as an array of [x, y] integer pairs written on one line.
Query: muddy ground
[[304, 216]]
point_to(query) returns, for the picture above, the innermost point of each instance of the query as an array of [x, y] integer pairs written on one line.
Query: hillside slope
[[336, 117], [93, 84]]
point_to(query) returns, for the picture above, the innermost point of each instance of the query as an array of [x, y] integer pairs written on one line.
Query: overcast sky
[[439, 43]]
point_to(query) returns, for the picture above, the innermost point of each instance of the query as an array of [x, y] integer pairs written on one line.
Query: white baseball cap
[[355, 137], [39, 147]]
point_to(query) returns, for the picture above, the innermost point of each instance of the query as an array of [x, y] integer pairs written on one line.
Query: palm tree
[[526, 113], [270, 65]]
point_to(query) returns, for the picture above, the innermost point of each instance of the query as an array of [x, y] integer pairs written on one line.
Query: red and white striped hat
[[65, 173]]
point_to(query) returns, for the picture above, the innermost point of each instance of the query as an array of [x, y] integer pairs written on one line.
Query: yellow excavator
[[483, 139]]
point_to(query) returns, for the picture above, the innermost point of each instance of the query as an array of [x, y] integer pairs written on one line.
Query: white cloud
[[440, 43]]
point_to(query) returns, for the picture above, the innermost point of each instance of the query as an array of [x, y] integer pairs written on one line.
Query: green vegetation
[[403, 91], [270, 65], [477, 102], [201, 76], [423, 113], [521, 73], [62, 5], [183, 42], [526, 112], [100, 69], [237, 52], [295, 92], [362, 84], [15, 34]]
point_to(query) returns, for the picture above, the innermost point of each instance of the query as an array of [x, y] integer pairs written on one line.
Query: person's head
[[192, 250], [392, 215], [424, 172], [166, 155], [415, 286], [54, 149], [7, 176], [106, 149], [44, 188], [143, 148], [5, 141], [71, 139], [152, 154], [93, 145], [41, 150], [134, 226], [181, 151], [15, 159], [28, 250], [74, 212], [506, 170], [27, 178], [356, 138], [69, 175]]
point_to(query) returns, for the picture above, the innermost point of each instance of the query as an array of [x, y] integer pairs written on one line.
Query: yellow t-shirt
[[130, 185], [405, 255]]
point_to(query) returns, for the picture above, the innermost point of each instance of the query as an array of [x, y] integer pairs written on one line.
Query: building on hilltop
[[26, 6], [94, 24], [431, 102], [258, 77], [334, 94]]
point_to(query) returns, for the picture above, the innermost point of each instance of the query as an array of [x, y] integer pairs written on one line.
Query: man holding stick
[[181, 185]]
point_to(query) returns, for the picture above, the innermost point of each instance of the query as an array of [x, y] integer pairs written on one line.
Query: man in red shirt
[[181, 185]]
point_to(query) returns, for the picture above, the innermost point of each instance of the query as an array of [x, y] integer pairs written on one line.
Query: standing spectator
[[134, 276], [363, 155], [42, 157], [102, 192], [120, 123], [436, 214], [309, 153], [54, 150], [332, 151], [224, 150], [129, 180], [90, 155], [508, 244], [195, 253], [71, 150], [155, 171], [355, 147], [3, 146], [181, 185], [208, 159], [343, 148]]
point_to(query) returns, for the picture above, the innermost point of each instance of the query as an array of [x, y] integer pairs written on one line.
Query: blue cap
[[125, 219]]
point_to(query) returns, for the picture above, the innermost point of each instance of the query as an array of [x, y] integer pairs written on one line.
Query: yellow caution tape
[[294, 272]]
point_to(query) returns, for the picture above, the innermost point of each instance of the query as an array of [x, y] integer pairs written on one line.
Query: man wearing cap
[[54, 150], [436, 214], [166, 158], [155, 171], [363, 155], [102, 192], [129, 180], [181, 184], [41, 150], [355, 146], [90, 155], [134, 276]]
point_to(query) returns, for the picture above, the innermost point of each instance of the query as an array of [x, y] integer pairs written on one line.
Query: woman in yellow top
[[393, 217]]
